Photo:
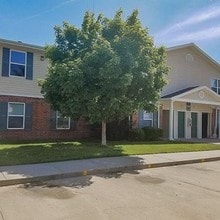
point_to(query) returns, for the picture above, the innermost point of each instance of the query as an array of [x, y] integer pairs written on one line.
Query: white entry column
[[171, 121], [218, 123], [199, 126]]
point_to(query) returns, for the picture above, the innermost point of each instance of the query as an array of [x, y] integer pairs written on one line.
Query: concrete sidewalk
[[11, 175]]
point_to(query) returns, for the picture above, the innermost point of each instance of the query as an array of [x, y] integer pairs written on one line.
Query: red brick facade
[[135, 120], [41, 114]]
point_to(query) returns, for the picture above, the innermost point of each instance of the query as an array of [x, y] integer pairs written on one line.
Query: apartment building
[[23, 112], [189, 106]]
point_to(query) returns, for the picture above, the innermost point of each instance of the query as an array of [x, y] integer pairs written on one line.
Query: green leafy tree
[[105, 70]]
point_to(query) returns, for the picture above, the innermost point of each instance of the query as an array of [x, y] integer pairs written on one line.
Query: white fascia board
[[196, 90], [21, 44], [19, 95], [198, 101]]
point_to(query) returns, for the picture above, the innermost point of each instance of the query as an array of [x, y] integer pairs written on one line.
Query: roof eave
[[180, 96], [21, 44]]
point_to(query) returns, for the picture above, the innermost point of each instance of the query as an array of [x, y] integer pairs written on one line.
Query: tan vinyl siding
[[207, 97], [185, 73], [195, 107], [20, 86], [181, 106]]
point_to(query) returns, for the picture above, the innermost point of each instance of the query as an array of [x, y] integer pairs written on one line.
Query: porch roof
[[196, 94], [179, 92]]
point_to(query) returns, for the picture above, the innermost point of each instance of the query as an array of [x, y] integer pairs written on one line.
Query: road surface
[[180, 192]]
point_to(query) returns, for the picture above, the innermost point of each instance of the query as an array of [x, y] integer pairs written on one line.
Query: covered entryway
[[193, 113]]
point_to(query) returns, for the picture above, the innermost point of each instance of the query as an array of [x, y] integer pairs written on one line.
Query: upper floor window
[[215, 85], [62, 122], [17, 63], [16, 115]]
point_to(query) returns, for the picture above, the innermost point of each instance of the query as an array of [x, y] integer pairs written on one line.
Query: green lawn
[[12, 154]]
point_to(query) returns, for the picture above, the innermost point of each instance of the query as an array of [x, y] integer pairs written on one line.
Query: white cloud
[[184, 31], [206, 34], [204, 15], [199, 17], [48, 10]]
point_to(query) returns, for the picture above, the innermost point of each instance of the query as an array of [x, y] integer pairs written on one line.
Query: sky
[[170, 22]]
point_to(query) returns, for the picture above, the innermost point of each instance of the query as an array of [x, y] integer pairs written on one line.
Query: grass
[[29, 153]]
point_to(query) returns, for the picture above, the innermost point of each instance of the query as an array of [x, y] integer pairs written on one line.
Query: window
[[148, 116], [17, 63], [16, 112], [62, 122], [215, 85]]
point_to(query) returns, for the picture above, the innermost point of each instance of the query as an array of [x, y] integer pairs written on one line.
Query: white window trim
[[68, 128], [16, 116], [25, 65]]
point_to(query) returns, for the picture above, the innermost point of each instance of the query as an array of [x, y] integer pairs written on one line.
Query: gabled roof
[[21, 44], [179, 92], [197, 49], [197, 94]]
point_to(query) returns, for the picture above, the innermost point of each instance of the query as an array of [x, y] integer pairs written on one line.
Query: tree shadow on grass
[[50, 152], [65, 153]]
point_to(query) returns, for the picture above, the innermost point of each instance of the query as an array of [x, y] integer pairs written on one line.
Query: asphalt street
[[179, 192]]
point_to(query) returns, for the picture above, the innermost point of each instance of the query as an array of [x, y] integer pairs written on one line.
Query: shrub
[[152, 134], [115, 131], [136, 134]]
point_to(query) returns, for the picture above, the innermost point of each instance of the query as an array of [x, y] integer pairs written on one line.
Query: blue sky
[[170, 22]]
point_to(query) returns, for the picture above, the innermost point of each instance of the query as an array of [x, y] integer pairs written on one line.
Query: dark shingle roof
[[178, 92]]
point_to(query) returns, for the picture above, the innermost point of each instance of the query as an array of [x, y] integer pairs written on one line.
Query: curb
[[103, 171]]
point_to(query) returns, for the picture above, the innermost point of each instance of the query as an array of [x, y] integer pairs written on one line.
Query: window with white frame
[[16, 115], [148, 116], [17, 63], [215, 85], [62, 122]]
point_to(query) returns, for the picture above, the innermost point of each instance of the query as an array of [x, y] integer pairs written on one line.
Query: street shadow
[[75, 182], [62, 189]]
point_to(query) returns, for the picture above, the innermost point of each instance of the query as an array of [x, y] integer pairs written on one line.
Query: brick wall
[[135, 120], [41, 114]]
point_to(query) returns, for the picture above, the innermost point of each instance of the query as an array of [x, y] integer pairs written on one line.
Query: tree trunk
[[103, 132]]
